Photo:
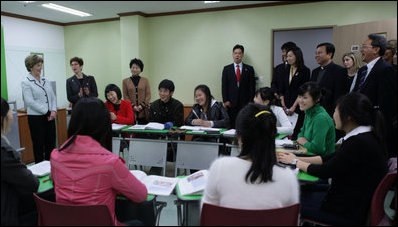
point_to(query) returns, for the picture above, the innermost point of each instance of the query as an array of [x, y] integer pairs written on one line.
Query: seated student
[[207, 111], [84, 170], [121, 110], [252, 180], [265, 96], [317, 133], [166, 108], [356, 168], [17, 182]]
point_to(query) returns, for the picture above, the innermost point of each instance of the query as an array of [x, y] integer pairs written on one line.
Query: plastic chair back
[[53, 214], [377, 212], [216, 215]]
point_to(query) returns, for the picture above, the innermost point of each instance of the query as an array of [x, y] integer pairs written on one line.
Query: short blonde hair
[[355, 58], [32, 60]]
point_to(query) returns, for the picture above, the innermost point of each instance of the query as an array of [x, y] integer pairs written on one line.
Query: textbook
[[150, 125], [41, 169], [156, 185], [193, 184]]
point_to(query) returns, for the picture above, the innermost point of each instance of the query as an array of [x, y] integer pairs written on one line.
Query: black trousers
[[43, 135]]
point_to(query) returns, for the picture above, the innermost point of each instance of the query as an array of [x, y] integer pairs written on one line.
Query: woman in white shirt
[[252, 180], [41, 107], [265, 96]]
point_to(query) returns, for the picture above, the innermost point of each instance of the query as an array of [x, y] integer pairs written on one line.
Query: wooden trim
[[229, 8], [92, 21], [139, 13], [31, 18]]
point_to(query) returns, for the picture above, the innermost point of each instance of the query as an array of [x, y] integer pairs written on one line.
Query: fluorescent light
[[27, 2], [207, 2], [66, 10]]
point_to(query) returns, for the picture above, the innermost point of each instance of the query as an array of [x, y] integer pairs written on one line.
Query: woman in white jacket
[[41, 108], [265, 96]]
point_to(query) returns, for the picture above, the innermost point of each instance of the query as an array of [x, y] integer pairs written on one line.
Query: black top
[[16, 181], [290, 91], [277, 77], [356, 169], [216, 113], [73, 86], [172, 111], [333, 83], [347, 83]]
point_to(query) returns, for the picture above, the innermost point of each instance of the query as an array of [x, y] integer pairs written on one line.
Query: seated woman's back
[[253, 180]]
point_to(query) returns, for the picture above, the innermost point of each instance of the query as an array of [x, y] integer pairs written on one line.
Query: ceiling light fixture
[[66, 10], [208, 2]]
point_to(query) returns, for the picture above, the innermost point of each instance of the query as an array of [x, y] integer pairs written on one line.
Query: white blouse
[[283, 124]]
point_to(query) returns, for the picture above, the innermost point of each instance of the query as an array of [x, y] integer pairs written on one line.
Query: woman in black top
[[356, 168], [295, 76], [17, 182], [352, 63], [80, 85]]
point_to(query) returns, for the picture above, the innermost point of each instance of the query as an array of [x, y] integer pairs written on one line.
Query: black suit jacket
[[277, 77], [381, 88], [290, 91], [73, 87], [238, 96], [333, 81]]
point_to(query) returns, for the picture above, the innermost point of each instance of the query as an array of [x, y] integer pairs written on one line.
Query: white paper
[[41, 169], [150, 125], [279, 143], [193, 184], [156, 185], [199, 128], [117, 126], [230, 132], [137, 127]]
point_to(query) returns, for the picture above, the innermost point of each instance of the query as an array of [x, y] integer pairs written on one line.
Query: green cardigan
[[318, 129]]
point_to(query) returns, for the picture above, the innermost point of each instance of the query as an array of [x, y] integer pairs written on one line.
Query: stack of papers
[[117, 126], [279, 143], [41, 169], [230, 132], [150, 125], [200, 128]]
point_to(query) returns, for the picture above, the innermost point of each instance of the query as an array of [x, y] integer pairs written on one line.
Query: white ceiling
[[109, 9]]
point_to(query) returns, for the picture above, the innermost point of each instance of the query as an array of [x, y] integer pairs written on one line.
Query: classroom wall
[[21, 37], [191, 49]]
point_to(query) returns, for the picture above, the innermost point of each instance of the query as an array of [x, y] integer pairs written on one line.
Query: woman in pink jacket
[[84, 170]]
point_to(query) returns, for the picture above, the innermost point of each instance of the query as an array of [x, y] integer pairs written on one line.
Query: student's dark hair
[[90, 117], [288, 45], [267, 93], [5, 107], [329, 48], [237, 46], [205, 89], [378, 41], [137, 62], [357, 108], [76, 59], [257, 131], [115, 88], [299, 57], [313, 89], [167, 84]]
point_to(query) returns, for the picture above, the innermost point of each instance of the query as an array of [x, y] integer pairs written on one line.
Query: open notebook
[[40, 169]]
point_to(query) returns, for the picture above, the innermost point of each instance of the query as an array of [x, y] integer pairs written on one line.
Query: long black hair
[[256, 127], [205, 89], [357, 108], [299, 57], [5, 107], [90, 117]]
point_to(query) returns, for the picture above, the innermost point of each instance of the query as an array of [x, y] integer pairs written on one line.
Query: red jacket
[[125, 114]]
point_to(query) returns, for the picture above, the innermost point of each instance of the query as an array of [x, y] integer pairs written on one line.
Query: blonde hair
[[32, 60], [355, 58]]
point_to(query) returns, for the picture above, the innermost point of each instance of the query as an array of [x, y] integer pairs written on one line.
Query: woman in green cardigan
[[317, 133]]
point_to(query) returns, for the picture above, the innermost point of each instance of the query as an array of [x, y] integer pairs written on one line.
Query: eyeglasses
[[365, 46]]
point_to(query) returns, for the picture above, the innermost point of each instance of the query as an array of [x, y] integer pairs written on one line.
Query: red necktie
[[238, 73]]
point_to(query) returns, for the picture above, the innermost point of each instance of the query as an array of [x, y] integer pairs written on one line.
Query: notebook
[[41, 169]]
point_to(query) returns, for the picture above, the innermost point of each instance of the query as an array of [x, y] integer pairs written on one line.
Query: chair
[[53, 214], [377, 213], [216, 215]]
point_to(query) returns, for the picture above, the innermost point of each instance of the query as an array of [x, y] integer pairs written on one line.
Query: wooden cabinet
[[26, 139]]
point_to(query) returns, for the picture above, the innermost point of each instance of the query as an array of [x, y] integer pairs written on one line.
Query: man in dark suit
[[378, 81], [280, 70], [329, 76], [238, 84]]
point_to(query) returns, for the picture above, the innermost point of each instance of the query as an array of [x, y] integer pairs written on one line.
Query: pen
[[46, 180]]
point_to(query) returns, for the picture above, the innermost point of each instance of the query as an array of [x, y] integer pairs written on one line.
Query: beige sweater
[[144, 95]]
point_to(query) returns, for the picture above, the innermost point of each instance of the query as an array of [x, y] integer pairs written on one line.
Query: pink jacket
[[87, 173]]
